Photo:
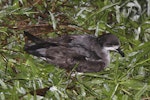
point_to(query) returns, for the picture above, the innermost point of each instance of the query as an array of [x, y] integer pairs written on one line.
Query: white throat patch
[[113, 48]]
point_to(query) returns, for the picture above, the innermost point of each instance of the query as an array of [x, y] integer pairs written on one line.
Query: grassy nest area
[[26, 77]]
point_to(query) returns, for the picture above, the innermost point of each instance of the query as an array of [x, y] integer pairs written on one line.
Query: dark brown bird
[[84, 53]]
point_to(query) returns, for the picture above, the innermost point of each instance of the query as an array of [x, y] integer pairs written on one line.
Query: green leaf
[[139, 94]]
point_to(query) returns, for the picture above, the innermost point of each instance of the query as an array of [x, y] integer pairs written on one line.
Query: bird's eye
[[109, 44]]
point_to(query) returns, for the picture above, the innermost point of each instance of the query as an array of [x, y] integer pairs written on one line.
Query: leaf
[[132, 84], [141, 92], [3, 85], [53, 20]]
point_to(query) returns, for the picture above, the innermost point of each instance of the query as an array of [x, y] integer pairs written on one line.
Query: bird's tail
[[33, 38], [38, 47]]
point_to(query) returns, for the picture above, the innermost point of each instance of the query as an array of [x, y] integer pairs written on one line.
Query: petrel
[[83, 53]]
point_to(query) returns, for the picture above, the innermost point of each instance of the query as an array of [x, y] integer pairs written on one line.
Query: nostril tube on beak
[[121, 52]]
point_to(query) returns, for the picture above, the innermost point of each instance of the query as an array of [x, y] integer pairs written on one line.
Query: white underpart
[[42, 51], [105, 53], [111, 48], [105, 56]]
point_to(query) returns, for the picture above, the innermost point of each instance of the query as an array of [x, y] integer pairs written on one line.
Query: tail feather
[[39, 47], [33, 38]]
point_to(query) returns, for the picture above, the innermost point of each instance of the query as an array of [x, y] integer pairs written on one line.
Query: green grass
[[22, 76]]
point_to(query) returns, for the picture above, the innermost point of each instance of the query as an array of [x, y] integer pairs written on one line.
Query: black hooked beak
[[120, 52]]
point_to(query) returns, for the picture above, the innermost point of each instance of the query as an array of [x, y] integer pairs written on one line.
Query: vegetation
[[22, 76]]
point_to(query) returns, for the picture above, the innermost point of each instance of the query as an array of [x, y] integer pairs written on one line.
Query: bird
[[80, 52]]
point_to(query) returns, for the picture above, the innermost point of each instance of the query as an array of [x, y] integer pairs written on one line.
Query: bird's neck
[[104, 55]]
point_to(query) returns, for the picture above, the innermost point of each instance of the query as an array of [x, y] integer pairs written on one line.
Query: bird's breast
[[104, 55]]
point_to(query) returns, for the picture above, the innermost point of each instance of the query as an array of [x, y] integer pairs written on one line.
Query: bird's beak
[[120, 52]]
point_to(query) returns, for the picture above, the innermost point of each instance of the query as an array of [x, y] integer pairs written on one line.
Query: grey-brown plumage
[[84, 53]]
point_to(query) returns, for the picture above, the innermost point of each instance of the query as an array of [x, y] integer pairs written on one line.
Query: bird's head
[[110, 43]]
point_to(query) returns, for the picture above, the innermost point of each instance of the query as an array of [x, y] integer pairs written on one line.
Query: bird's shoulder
[[74, 39]]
